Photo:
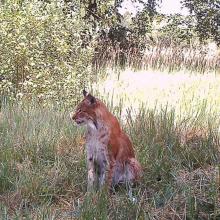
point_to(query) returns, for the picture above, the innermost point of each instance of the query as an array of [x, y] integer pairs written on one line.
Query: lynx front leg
[[103, 164], [111, 172], [91, 175]]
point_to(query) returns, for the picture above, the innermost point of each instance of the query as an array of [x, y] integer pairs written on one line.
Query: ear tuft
[[85, 93]]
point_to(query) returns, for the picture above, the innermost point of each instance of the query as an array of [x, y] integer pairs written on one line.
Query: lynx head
[[85, 111]]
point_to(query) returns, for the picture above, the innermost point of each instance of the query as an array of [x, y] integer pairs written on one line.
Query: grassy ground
[[174, 125]]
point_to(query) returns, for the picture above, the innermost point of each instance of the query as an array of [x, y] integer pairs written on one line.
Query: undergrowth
[[43, 169]]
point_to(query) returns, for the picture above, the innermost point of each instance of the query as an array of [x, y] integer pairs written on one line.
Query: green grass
[[43, 168]]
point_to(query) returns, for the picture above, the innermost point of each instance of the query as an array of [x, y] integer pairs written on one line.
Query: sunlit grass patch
[[183, 91]]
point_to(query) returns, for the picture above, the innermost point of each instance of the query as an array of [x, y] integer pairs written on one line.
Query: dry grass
[[159, 55], [197, 183]]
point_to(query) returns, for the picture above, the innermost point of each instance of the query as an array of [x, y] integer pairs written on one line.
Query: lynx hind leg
[[127, 173], [135, 169]]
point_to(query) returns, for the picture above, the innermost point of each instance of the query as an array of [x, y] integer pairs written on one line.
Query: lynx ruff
[[110, 155]]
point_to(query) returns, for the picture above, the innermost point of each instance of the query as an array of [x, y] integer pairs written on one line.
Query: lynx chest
[[97, 139]]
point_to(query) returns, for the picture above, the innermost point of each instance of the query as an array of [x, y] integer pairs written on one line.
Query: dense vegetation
[[53, 47], [50, 50]]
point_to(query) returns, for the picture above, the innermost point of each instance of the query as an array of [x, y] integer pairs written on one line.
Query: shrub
[[41, 51]]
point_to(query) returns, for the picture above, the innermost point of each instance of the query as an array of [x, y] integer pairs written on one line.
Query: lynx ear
[[91, 98], [85, 93]]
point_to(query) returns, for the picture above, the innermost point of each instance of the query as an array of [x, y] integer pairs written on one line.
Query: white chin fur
[[91, 125]]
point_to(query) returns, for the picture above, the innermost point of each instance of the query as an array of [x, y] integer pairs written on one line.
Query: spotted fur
[[110, 155]]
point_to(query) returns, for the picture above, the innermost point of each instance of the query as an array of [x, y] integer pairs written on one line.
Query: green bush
[[41, 51]]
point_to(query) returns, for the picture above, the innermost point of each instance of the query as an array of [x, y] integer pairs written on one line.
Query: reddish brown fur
[[120, 149]]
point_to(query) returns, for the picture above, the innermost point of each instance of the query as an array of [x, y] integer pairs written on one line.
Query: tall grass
[[43, 169], [158, 55]]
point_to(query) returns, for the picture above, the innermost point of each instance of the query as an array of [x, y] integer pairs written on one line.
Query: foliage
[[179, 29], [48, 48], [204, 19], [207, 18], [152, 40], [41, 51]]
